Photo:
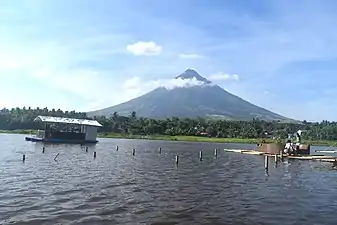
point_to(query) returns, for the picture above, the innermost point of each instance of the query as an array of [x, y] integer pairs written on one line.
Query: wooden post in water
[[266, 163], [117, 148], [43, 149], [86, 149], [133, 151], [94, 154], [215, 152], [200, 155], [23, 158], [177, 159], [56, 156], [159, 150]]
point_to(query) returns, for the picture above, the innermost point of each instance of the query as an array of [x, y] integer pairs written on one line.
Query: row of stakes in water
[[215, 154], [266, 164], [160, 150], [133, 153], [177, 156], [43, 151]]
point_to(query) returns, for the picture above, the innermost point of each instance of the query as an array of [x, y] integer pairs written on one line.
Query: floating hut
[[65, 130]]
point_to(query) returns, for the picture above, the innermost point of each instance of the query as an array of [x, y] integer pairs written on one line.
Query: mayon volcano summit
[[192, 74], [200, 99]]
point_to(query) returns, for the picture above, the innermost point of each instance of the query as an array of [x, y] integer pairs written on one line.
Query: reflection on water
[[149, 188], [287, 174]]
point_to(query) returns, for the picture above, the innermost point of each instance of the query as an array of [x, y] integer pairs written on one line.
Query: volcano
[[203, 100]]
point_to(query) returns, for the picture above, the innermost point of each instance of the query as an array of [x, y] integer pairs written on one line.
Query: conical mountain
[[202, 100]]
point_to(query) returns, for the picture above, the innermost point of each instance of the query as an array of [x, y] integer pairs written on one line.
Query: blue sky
[[84, 55]]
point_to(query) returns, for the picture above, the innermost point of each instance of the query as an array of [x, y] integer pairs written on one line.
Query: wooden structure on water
[[287, 150], [276, 148], [66, 130], [299, 157]]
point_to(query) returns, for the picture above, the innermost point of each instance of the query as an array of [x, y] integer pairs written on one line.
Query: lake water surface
[[149, 188]]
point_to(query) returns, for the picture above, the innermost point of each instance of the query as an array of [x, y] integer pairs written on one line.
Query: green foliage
[[23, 118]]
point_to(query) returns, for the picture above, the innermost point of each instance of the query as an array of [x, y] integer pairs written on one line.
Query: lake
[[149, 188]]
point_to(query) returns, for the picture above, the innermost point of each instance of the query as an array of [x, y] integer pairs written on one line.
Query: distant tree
[[133, 115]]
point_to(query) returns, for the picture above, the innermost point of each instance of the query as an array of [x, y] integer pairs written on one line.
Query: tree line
[[23, 118]]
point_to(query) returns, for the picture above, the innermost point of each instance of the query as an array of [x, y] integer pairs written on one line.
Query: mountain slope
[[202, 100]]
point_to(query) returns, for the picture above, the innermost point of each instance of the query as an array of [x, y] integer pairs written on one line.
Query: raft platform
[[299, 157], [60, 130]]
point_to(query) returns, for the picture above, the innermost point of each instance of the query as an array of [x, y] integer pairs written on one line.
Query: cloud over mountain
[[224, 77]]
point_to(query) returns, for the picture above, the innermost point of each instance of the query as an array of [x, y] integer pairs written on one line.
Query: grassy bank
[[17, 131], [207, 139], [186, 138]]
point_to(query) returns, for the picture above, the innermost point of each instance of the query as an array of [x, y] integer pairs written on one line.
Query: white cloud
[[138, 83], [178, 83], [223, 76], [149, 48], [135, 86], [191, 56]]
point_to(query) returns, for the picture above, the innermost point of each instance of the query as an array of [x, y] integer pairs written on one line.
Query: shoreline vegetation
[[184, 138], [132, 126]]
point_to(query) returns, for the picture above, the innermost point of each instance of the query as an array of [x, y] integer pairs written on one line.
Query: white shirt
[[288, 145]]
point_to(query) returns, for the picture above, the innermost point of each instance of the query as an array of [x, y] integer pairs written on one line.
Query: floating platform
[[60, 130], [275, 148], [59, 141], [299, 157], [326, 151]]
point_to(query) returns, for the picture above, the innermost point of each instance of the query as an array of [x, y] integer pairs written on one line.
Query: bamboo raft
[[299, 157]]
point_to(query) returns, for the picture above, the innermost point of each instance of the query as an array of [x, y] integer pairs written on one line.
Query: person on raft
[[292, 149], [289, 147], [298, 140]]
